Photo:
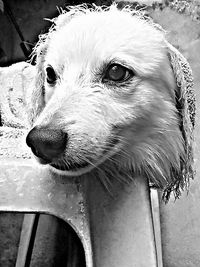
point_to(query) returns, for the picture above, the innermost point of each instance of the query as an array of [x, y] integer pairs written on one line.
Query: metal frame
[[115, 230]]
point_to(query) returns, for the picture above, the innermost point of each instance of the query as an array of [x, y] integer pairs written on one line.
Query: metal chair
[[115, 230]]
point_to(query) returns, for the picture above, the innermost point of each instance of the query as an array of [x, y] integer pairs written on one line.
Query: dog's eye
[[51, 75], [117, 73]]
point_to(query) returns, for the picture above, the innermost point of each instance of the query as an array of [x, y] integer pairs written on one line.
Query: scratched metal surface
[[25, 187]]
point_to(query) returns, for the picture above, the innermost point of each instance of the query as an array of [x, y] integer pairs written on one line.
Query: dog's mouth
[[77, 169], [70, 167]]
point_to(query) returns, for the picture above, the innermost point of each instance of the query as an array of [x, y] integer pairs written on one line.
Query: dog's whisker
[[60, 164], [95, 165], [106, 182], [66, 163], [115, 173]]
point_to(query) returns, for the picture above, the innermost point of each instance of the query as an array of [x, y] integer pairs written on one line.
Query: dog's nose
[[46, 143]]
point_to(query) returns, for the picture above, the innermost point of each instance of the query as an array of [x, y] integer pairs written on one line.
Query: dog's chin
[[73, 170], [77, 169]]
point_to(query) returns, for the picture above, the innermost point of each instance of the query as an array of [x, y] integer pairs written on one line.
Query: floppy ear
[[185, 104], [36, 103]]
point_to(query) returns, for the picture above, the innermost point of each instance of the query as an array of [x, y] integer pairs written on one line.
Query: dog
[[105, 97]]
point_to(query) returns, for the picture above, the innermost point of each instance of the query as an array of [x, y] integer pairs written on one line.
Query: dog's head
[[106, 94]]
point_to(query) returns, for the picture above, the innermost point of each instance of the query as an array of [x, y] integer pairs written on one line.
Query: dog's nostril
[[47, 143]]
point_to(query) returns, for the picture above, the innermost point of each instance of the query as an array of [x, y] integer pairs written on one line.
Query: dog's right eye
[[51, 75], [117, 73]]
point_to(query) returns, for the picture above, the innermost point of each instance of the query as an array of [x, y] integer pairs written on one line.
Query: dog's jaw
[[89, 167]]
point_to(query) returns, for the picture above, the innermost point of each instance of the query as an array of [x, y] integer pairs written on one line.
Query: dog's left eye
[[51, 75], [117, 73]]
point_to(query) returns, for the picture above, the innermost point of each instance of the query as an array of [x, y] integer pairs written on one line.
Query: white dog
[[105, 95]]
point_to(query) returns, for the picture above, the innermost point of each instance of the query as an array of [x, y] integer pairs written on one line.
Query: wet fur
[[141, 113]]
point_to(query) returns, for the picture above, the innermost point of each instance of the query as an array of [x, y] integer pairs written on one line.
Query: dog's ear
[[37, 98], [185, 104]]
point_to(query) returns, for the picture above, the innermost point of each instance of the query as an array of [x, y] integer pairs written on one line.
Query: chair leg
[[155, 208], [29, 228]]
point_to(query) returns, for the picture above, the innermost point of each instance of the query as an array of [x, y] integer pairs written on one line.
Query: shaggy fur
[[119, 128]]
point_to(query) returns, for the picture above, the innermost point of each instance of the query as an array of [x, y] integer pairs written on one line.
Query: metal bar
[[24, 45], [12, 18], [156, 225], [26, 242]]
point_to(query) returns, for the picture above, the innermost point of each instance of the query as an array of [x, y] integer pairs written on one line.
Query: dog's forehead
[[106, 35]]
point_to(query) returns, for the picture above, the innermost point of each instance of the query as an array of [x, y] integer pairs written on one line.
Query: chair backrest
[[115, 229]]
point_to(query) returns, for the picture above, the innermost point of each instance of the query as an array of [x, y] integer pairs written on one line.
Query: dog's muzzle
[[50, 146], [47, 144]]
